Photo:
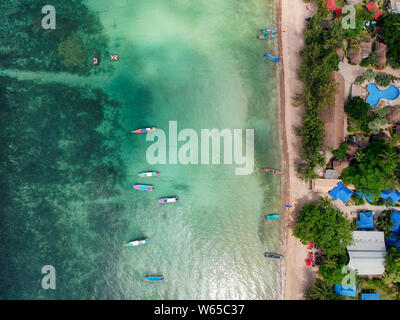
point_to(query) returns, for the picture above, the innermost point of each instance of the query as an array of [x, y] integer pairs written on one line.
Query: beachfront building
[[334, 117], [367, 253]]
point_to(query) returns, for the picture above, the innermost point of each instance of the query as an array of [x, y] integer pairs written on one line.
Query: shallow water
[[198, 63]]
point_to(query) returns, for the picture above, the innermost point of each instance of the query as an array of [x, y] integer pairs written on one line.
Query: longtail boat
[[270, 170], [266, 36], [148, 174], [268, 31], [143, 187], [144, 130], [270, 57], [272, 216]]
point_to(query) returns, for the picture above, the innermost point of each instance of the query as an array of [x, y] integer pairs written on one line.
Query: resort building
[[367, 253], [334, 117]]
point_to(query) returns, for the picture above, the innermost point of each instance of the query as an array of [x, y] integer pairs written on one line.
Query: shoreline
[[291, 16], [285, 183]]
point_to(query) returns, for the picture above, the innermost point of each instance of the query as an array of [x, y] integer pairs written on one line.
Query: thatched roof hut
[[366, 48], [340, 52], [352, 149], [394, 115], [381, 50], [355, 55], [340, 165], [333, 117]]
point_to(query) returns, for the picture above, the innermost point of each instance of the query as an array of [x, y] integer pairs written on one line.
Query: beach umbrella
[[288, 206], [308, 263]]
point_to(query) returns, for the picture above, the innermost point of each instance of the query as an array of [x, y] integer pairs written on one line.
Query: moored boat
[[143, 187], [168, 200], [136, 243], [266, 36], [270, 57], [273, 255], [148, 174], [272, 216], [270, 170], [154, 278], [268, 31], [144, 130]]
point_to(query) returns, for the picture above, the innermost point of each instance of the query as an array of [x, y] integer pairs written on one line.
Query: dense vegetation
[[392, 266], [374, 169], [331, 231], [391, 37], [321, 291], [385, 223], [316, 72], [326, 226]]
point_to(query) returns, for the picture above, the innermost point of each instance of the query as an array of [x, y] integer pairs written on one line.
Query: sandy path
[[296, 192]]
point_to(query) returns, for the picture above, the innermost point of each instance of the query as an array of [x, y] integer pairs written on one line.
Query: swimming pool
[[375, 94]]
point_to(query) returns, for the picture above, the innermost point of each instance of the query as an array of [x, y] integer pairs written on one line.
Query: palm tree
[[321, 291], [359, 155], [324, 202], [385, 223], [389, 155], [330, 262]]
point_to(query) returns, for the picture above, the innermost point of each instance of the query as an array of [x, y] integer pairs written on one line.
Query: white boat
[[168, 200], [136, 243], [148, 174]]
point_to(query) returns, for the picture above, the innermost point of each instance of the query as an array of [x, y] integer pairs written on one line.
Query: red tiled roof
[[331, 5], [371, 6]]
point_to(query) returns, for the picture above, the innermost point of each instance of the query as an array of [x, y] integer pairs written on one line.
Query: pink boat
[[143, 187]]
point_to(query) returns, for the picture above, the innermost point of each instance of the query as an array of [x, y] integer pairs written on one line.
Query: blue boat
[[272, 58], [154, 278], [272, 216], [268, 31]]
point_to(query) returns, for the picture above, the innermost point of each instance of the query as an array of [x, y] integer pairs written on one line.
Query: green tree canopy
[[392, 266], [385, 223], [391, 36], [369, 74], [358, 110], [375, 169], [321, 291], [383, 79], [324, 225]]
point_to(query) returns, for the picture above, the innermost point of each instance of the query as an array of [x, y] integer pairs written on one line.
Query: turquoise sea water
[[195, 62]]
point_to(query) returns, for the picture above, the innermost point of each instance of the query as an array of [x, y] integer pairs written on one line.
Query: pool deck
[[362, 92]]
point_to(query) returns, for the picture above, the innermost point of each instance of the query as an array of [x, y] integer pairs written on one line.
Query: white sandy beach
[[298, 275]]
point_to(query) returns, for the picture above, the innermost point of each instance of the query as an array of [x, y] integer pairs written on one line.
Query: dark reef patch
[[59, 178]]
